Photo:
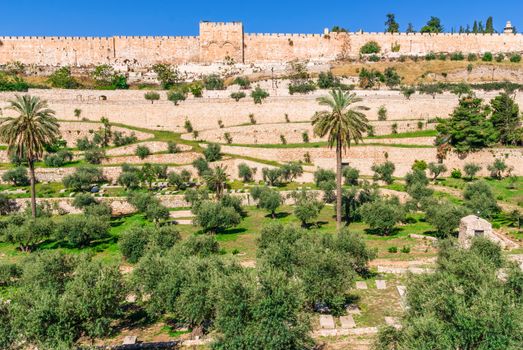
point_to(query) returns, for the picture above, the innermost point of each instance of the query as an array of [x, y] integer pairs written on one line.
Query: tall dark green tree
[[391, 26], [489, 27], [469, 127], [410, 28], [506, 119], [433, 26]]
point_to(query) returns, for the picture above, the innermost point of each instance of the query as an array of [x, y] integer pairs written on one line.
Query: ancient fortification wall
[[220, 40]]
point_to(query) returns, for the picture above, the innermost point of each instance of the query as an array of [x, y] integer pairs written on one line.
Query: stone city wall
[[227, 41]]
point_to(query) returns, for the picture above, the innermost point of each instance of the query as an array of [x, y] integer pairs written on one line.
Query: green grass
[[410, 134]]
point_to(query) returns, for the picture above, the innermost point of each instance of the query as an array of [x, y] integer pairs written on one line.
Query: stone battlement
[[220, 40]]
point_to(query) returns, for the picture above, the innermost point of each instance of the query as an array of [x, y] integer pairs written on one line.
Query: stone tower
[[508, 28], [219, 41]]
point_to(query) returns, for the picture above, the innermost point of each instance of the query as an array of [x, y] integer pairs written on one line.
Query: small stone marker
[[381, 284], [402, 290], [327, 322], [129, 340], [347, 322], [353, 309], [361, 285]]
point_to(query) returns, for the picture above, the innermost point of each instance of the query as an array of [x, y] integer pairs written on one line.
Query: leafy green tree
[[479, 198], [383, 214], [497, 168], [152, 96], [468, 129], [506, 119], [416, 183], [272, 176], [167, 75], [391, 26], [142, 152], [267, 198], [94, 156], [351, 175], [176, 96], [62, 79], [462, 89], [246, 316], [83, 178], [383, 172], [436, 169], [62, 298], [83, 200], [135, 241], [156, 212], [27, 134], [445, 217], [306, 206], [58, 159], [201, 165], [245, 172], [290, 171], [130, 177], [17, 176], [342, 124], [81, 230], [433, 26], [484, 314], [28, 232], [214, 216], [213, 82], [7, 205], [213, 152], [471, 169]]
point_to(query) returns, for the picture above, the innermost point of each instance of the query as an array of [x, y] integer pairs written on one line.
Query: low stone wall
[[293, 133], [363, 157], [176, 158], [154, 147]]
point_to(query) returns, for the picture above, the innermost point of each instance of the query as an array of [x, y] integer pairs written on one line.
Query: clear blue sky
[[181, 17]]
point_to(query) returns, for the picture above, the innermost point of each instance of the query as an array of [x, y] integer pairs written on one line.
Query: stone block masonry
[[220, 41]]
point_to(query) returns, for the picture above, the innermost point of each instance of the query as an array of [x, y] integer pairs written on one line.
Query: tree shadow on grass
[[379, 232], [97, 245], [281, 215], [232, 231]]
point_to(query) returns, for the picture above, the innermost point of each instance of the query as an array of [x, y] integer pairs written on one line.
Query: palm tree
[[27, 134], [342, 124], [217, 179]]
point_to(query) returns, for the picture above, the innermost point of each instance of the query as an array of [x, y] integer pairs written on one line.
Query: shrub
[[301, 87], [391, 77], [382, 113], [152, 96], [405, 249], [408, 91], [457, 56], [10, 82], [383, 214], [497, 168], [188, 126], [213, 82], [472, 57], [430, 56], [258, 95], [305, 137], [119, 139], [94, 155], [327, 80], [58, 159], [63, 79], [455, 174], [487, 57], [243, 82], [500, 57], [442, 56], [370, 47], [392, 250], [196, 89], [172, 147], [384, 172], [228, 138], [238, 95], [419, 165], [176, 96], [515, 58], [252, 120], [17, 176], [142, 152], [213, 152], [283, 140]]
